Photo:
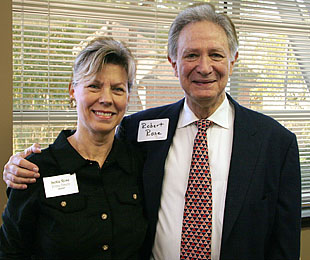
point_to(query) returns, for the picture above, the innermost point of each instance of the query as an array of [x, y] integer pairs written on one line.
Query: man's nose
[[105, 96], [205, 65]]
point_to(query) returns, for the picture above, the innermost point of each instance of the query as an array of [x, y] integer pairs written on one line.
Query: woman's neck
[[92, 147]]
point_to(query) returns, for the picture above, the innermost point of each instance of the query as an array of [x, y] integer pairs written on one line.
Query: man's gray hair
[[198, 13], [100, 51]]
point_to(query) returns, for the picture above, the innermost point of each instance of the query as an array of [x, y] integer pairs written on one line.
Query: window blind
[[272, 74]]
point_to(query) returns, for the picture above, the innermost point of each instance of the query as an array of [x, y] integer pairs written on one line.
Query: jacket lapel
[[245, 150], [157, 152]]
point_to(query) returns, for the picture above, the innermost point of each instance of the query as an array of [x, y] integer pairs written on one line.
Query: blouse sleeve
[[19, 224]]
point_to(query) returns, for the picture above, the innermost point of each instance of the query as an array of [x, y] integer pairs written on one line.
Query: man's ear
[[174, 66], [232, 63]]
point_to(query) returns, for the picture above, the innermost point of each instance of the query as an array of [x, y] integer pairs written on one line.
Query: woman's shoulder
[[50, 158], [44, 160], [43, 157]]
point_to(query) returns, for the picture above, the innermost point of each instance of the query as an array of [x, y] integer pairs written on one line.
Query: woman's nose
[[105, 96]]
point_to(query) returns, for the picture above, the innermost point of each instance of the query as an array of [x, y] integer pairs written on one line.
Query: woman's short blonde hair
[[100, 51]]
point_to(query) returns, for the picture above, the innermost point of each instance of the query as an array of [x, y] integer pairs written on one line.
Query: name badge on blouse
[[59, 185], [153, 130]]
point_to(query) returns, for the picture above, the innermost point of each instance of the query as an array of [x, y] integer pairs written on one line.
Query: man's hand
[[18, 171]]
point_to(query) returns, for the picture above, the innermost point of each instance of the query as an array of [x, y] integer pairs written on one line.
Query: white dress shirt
[[170, 216]]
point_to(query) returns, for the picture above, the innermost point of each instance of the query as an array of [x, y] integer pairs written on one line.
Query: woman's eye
[[119, 90], [93, 86]]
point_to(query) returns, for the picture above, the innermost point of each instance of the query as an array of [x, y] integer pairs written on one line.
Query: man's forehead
[[209, 48], [202, 46], [200, 33]]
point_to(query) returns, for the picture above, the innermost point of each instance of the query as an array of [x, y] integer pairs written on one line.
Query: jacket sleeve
[[121, 132], [286, 228]]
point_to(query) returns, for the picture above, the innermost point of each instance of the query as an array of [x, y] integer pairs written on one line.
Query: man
[[254, 161]]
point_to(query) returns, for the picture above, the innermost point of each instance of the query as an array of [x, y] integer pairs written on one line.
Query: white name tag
[[153, 130], [60, 185]]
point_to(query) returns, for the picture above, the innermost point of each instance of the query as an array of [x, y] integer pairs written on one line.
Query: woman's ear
[[71, 94], [71, 90]]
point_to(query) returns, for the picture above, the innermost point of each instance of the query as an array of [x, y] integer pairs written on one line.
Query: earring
[[72, 103]]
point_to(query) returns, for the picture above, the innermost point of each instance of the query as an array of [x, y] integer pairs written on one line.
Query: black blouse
[[104, 220]]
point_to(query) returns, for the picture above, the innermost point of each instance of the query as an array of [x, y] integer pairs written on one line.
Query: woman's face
[[102, 101]]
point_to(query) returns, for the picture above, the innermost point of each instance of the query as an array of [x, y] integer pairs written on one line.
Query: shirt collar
[[69, 159], [219, 117]]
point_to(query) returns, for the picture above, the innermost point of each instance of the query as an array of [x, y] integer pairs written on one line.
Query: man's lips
[[202, 81]]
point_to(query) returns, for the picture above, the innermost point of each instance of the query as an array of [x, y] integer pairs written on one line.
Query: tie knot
[[203, 124]]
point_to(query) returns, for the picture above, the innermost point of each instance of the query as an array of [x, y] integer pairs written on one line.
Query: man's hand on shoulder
[[18, 172]]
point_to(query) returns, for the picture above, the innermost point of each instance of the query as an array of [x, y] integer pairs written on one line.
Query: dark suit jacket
[[262, 208]]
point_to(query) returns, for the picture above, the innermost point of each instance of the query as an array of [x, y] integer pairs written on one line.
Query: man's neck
[[205, 108]]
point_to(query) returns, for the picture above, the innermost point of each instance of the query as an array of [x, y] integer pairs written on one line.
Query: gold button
[[104, 216], [135, 196], [105, 247], [63, 204]]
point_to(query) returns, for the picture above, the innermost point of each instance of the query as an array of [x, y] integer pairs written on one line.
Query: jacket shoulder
[[262, 122], [156, 112]]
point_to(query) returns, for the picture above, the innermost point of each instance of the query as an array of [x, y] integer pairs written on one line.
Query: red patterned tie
[[197, 217]]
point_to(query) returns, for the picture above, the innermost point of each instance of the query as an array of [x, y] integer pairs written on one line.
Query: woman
[[87, 203]]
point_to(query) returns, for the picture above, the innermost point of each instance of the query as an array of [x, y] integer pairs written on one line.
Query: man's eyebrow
[[217, 49], [190, 50]]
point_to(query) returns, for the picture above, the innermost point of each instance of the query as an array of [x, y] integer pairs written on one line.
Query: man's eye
[[191, 56], [217, 56]]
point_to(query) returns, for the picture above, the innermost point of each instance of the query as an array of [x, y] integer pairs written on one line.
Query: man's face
[[203, 64]]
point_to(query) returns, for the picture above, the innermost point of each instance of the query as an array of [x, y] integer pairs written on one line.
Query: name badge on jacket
[[59, 185], [153, 130]]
